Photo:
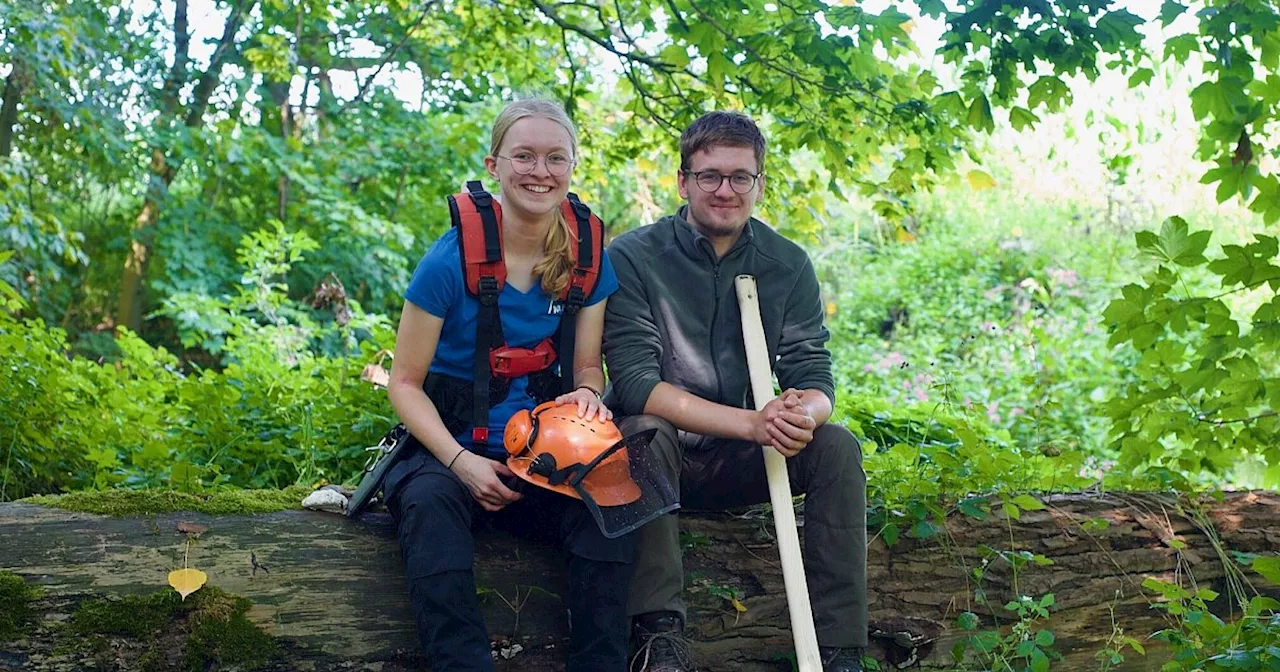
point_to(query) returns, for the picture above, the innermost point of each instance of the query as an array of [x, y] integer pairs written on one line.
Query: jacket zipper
[[715, 317]]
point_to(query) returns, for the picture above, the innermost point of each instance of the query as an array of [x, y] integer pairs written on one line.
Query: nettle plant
[[1204, 389]]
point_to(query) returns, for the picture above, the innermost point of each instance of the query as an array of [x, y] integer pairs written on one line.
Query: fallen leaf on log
[[187, 581]]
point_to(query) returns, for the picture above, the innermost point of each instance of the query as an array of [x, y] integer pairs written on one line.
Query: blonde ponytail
[[557, 256]]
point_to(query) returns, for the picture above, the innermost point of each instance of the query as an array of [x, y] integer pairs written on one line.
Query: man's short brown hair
[[721, 129]]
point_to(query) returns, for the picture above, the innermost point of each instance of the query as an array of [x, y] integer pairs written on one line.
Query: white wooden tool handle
[[784, 517]]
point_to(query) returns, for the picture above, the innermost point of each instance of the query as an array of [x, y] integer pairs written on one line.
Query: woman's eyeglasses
[[526, 162]]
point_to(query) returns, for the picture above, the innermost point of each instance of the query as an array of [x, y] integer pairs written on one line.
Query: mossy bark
[[150, 502], [209, 630], [16, 613], [331, 589]]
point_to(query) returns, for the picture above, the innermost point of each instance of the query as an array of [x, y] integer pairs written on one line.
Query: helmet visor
[[624, 487]]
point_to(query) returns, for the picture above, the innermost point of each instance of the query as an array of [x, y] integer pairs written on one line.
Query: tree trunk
[[333, 589], [138, 258], [14, 85]]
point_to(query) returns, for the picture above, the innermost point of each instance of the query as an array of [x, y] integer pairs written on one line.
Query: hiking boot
[[660, 643], [836, 659]]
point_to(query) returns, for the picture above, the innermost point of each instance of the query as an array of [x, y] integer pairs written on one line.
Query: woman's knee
[[433, 518]]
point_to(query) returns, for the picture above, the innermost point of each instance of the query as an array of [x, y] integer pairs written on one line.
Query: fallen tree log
[[332, 590]]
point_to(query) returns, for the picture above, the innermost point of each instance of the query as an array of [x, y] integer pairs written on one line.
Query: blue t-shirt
[[438, 287]]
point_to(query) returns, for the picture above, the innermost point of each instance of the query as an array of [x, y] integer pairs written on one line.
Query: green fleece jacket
[[675, 317]]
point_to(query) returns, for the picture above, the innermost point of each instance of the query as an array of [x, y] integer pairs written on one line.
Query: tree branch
[[607, 45], [1268, 414], [772, 64], [14, 85], [209, 79], [181, 56], [422, 16]]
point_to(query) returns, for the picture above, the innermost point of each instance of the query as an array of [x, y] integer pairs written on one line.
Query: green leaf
[[1021, 118], [980, 114], [1270, 51], [890, 534], [980, 181], [967, 621], [676, 54], [1268, 567], [1044, 638], [969, 507], [1120, 27], [924, 529], [1171, 10], [1175, 244], [951, 103], [1095, 525], [1178, 48], [1039, 661], [1140, 77], [1011, 511], [1207, 595], [1261, 604], [1028, 503], [1052, 92]]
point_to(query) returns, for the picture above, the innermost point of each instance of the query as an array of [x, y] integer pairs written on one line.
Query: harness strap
[[479, 220], [582, 280], [486, 273]]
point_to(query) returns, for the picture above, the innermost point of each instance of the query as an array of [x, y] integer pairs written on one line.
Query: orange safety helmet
[[551, 447]]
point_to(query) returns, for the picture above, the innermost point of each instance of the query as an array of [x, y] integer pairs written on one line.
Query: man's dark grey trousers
[[720, 474]]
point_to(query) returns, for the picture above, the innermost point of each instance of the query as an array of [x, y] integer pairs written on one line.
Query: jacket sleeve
[[803, 359], [632, 343]]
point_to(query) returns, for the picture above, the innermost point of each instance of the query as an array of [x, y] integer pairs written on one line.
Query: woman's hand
[[483, 477], [589, 405]]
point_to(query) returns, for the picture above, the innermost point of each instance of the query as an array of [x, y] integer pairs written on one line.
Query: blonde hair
[[557, 259]]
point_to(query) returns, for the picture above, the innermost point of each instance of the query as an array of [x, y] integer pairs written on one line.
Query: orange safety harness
[[478, 218]]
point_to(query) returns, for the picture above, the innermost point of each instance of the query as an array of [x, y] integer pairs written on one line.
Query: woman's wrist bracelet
[[592, 390], [455, 458]]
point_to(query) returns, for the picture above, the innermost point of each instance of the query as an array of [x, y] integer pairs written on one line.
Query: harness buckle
[[576, 297], [487, 288], [479, 196], [511, 362]]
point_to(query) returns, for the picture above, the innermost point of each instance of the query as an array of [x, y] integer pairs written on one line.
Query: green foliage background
[[210, 210]]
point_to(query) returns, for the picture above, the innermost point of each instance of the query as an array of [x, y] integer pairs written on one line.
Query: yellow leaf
[[831, 308], [908, 26], [980, 181], [902, 235], [187, 581], [738, 605]]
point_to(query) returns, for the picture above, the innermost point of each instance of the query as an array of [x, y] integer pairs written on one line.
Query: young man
[[675, 354]]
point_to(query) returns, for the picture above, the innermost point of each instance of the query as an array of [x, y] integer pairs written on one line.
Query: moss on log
[[330, 593]]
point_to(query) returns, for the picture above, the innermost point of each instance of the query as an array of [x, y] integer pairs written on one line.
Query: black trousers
[[434, 514]]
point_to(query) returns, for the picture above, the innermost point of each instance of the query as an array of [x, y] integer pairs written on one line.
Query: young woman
[[436, 493]]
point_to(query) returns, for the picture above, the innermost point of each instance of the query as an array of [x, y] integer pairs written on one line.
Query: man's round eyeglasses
[[525, 162], [710, 180]]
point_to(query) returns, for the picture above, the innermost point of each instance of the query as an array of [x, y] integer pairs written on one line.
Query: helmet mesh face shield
[[616, 477]]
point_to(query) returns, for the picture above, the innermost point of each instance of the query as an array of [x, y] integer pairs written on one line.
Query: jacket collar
[[698, 246]]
